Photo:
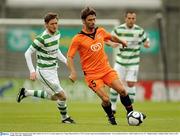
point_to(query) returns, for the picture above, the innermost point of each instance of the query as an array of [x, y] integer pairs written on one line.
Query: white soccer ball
[[135, 118]]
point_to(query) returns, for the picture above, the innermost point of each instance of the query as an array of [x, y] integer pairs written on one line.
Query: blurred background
[[22, 20]]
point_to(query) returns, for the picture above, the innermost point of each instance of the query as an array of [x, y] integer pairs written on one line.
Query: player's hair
[[86, 12], [129, 11], [50, 16]]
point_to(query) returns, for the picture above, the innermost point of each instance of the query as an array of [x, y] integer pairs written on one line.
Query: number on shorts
[[93, 83]]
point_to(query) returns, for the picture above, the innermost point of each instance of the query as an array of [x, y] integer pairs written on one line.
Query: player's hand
[[33, 76], [147, 44], [124, 43], [73, 77]]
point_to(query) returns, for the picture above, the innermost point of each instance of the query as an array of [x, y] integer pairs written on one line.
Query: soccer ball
[[135, 118]]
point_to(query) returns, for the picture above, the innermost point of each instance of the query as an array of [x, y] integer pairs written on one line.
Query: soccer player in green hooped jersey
[[128, 59], [46, 46]]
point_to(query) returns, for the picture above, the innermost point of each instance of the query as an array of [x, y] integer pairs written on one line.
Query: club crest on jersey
[[96, 47]]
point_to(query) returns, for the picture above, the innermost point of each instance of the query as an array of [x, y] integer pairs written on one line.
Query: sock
[[131, 93], [125, 100], [108, 110], [62, 109], [113, 99], [37, 93]]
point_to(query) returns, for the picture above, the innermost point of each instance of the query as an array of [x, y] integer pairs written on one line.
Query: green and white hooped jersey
[[46, 47], [135, 37]]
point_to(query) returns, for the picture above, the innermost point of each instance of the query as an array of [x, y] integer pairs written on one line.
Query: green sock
[[62, 108], [38, 93]]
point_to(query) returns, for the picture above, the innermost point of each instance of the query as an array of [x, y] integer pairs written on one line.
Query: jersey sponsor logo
[[96, 47]]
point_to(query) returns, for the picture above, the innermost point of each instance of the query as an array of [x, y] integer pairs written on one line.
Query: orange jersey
[[93, 58]]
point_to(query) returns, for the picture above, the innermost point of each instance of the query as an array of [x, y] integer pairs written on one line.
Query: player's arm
[[112, 44], [28, 58], [61, 57], [71, 66], [70, 56], [145, 39], [119, 41], [113, 40]]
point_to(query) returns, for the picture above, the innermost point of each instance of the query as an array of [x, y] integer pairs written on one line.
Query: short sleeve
[[107, 35]]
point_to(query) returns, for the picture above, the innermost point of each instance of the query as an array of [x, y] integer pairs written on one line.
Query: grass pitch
[[43, 116]]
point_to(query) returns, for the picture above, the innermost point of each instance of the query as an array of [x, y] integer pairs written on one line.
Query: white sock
[[113, 99], [131, 93]]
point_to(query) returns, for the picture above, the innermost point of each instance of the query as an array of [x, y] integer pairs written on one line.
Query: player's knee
[[105, 100], [61, 96], [131, 84], [123, 92], [63, 99]]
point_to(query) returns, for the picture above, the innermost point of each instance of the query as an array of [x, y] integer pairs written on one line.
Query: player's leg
[[113, 94], [62, 107], [58, 94], [45, 83], [112, 81], [131, 90], [23, 93], [59, 97], [51, 90], [106, 104], [131, 79], [98, 87], [124, 97], [113, 99]]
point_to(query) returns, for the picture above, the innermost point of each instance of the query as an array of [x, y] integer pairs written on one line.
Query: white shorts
[[127, 73], [49, 80]]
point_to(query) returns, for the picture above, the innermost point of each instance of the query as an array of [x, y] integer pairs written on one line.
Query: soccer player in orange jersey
[[97, 70]]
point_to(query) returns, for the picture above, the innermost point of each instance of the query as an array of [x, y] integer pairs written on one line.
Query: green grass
[[33, 115], [43, 116]]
